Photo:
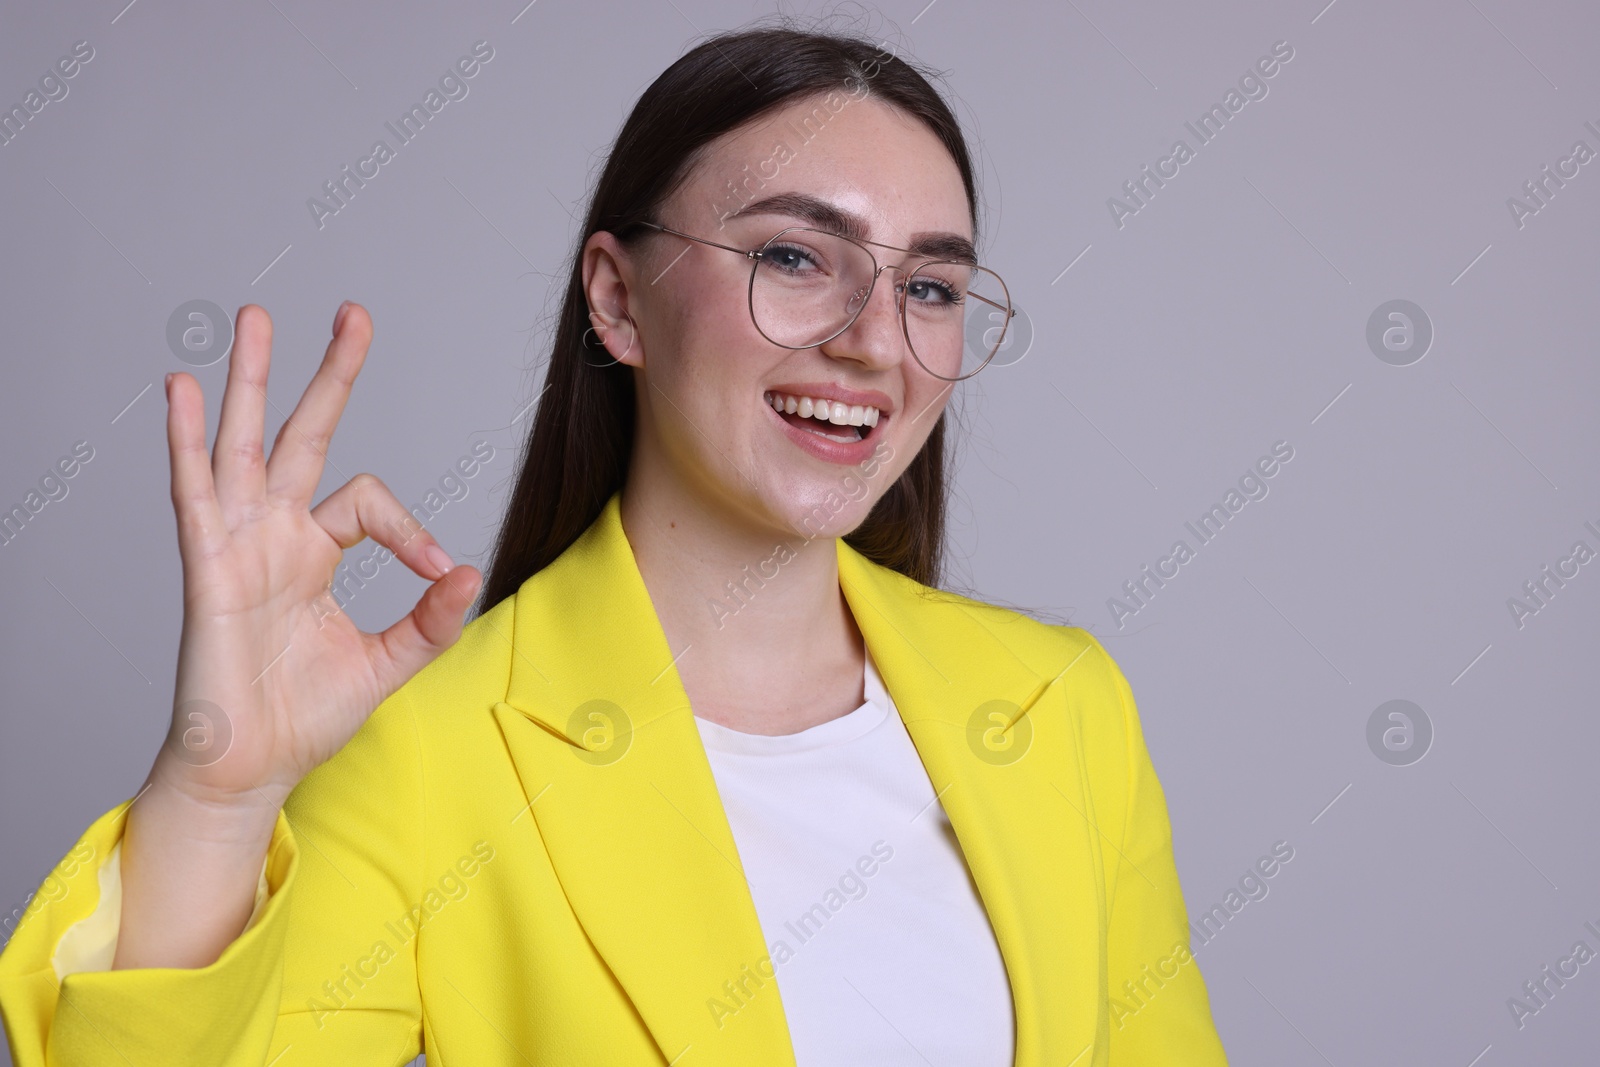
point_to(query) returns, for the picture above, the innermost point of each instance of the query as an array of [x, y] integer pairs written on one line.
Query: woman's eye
[[788, 257], [927, 290]]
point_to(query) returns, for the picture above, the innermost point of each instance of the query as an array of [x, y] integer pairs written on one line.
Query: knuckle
[[368, 484], [318, 442], [244, 453]]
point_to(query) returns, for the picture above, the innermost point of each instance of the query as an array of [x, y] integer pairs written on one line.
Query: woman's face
[[707, 378]]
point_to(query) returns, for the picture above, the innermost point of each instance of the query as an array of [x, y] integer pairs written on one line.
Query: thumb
[[432, 626]]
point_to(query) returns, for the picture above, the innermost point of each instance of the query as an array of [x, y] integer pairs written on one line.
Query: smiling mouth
[[836, 421]]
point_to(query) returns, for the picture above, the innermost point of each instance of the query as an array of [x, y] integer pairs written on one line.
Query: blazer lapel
[[603, 740], [989, 716]]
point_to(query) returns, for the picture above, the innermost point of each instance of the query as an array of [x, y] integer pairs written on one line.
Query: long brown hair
[[576, 454]]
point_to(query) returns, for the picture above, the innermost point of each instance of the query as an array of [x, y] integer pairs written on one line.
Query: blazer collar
[[603, 740]]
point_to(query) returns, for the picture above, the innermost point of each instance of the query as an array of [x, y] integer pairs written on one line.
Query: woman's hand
[[273, 678]]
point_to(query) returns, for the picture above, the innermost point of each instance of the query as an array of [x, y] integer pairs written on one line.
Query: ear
[[608, 276]]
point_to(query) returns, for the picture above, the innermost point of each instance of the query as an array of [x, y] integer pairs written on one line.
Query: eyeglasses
[[808, 286]]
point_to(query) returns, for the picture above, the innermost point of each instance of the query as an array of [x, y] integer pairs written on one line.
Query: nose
[[876, 339]]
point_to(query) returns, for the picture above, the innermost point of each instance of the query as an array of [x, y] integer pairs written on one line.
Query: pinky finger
[[201, 529]]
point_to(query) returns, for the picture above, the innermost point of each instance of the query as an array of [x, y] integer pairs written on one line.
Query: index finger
[[301, 448]]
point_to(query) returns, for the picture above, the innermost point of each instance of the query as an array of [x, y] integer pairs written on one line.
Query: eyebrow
[[937, 244]]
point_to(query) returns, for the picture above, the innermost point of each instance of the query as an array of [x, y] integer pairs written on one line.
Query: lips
[[802, 410], [831, 430]]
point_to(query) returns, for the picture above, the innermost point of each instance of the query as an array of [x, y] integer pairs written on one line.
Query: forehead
[[850, 164]]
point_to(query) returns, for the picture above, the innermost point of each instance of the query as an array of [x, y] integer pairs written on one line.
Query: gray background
[[1228, 314]]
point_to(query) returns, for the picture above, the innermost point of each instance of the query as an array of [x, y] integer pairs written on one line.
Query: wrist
[[186, 810]]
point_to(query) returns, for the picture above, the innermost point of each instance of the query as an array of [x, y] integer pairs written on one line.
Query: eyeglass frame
[[900, 304]]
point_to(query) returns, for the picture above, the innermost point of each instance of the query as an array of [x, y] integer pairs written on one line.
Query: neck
[[765, 640]]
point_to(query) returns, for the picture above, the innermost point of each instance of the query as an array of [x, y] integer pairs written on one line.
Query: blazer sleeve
[[1159, 1009], [90, 944], [324, 966]]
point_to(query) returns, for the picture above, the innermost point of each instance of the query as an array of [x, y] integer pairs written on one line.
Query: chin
[[815, 509]]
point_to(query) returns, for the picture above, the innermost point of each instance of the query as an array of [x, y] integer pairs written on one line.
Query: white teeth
[[831, 411]]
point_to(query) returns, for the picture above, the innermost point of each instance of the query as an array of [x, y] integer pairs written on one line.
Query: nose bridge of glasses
[[862, 296], [791, 310]]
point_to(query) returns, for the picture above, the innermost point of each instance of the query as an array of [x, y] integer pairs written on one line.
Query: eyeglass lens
[[808, 285]]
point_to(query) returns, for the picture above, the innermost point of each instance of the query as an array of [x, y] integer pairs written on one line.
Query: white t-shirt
[[882, 952]]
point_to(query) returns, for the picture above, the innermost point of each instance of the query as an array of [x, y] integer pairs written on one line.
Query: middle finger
[[236, 462]]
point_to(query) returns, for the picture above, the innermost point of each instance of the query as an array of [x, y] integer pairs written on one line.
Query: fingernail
[[168, 383], [338, 316], [438, 558]]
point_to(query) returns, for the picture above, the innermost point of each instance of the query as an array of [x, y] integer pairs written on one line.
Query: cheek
[[703, 364], [925, 401], [705, 333]]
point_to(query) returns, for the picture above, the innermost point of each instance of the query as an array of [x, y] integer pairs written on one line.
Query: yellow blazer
[[522, 858]]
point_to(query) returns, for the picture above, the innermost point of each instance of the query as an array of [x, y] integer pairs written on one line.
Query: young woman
[[717, 776]]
